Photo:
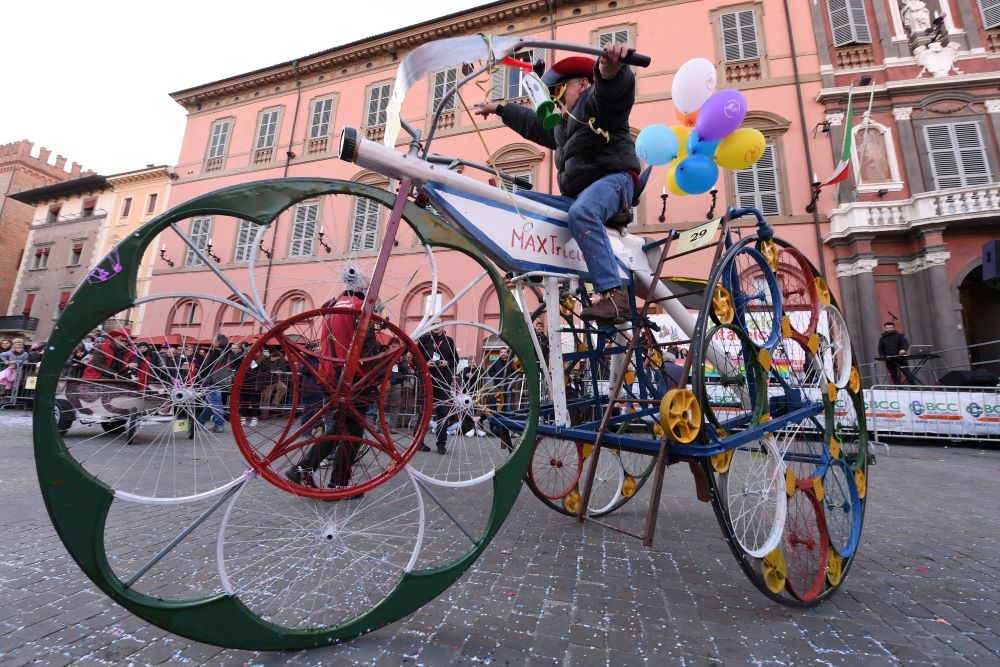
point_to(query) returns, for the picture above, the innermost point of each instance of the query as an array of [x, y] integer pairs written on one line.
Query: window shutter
[[364, 227], [496, 83], [991, 13], [957, 155], [849, 22], [620, 36], [63, 300], [757, 186], [29, 301], [739, 36], [304, 230], [244, 237], [199, 236]]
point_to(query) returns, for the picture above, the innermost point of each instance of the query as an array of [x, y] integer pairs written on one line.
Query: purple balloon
[[720, 114]]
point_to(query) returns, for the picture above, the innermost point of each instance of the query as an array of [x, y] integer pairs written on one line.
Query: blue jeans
[[600, 200], [213, 409]]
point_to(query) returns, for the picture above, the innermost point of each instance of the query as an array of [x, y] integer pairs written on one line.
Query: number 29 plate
[[697, 237]]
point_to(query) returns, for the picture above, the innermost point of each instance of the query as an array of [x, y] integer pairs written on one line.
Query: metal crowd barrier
[[22, 386], [934, 412]]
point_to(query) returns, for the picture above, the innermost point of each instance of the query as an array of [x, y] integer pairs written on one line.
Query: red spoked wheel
[[332, 439], [555, 467], [806, 545], [799, 297]]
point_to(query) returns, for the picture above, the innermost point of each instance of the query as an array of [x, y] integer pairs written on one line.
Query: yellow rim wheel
[[722, 305], [813, 344], [769, 249], [566, 307], [629, 486], [786, 326], [834, 448], [721, 462], [818, 488], [655, 358], [823, 291], [831, 391], [764, 357], [775, 570], [587, 450], [861, 482], [629, 377], [790, 482], [680, 415], [854, 382], [834, 568], [571, 503], [658, 430]]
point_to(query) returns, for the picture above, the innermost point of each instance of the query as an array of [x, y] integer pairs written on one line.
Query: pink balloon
[[720, 114]]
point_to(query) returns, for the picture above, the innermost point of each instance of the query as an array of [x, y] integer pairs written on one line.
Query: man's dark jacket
[[583, 156], [890, 344]]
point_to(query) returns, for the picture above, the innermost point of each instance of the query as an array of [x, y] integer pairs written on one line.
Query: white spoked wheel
[[608, 480], [753, 495], [834, 346]]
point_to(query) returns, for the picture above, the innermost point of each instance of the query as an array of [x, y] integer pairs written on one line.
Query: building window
[[849, 22], [304, 230], [53, 214], [88, 207], [126, 207], [219, 139], [76, 253], [510, 186], [29, 301], [298, 305], [443, 82], [506, 82], [364, 226], [620, 35], [378, 102], [267, 129], [991, 13], [151, 203], [63, 300], [41, 258], [319, 124], [191, 313], [757, 186], [957, 154], [245, 233], [739, 36], [200, 229]]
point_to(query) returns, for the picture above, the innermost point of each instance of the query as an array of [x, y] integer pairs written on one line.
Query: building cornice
[[140, 176], [388, 47], [905, 86]]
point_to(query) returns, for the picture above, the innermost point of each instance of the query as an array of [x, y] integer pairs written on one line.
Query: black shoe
[[424, 448], [299, 475], [613, 308], [442, 450]]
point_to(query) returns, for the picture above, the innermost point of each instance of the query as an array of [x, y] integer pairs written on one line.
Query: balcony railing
[[70, 217], [115, 323], [974, 202], [746, 70], [375, 132], [993, 40], [850, 57], [18, 323]]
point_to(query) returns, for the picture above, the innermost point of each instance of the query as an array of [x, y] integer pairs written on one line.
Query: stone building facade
[[909, 226], [60, 248], [20, 170]]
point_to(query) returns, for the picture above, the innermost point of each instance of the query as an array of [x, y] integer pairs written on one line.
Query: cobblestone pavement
[[925, 588]]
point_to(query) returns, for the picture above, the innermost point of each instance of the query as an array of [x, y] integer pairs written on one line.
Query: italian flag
[[844, 168]]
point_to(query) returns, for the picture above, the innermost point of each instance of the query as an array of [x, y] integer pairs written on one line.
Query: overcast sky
[[90, 80]]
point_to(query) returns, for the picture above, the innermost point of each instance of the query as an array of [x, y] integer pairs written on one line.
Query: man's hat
[[574, 67], [124, 331]]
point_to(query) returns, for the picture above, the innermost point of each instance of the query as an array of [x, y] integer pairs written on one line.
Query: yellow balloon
[[672, 186], [682, 133], [740, 149]]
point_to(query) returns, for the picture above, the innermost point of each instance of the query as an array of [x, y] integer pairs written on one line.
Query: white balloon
[[693, 84]]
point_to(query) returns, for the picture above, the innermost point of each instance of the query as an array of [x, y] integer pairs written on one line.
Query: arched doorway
[[981, 319]]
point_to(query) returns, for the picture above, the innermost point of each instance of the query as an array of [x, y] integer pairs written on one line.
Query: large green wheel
[[180, 528]]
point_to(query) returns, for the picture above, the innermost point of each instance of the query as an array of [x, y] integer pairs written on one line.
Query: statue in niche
[[916, 16], [873, 155]]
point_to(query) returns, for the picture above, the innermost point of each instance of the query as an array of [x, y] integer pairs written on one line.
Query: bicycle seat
[[623, 219]]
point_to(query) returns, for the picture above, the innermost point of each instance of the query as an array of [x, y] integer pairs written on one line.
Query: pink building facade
[[284, 121], [908, 229]]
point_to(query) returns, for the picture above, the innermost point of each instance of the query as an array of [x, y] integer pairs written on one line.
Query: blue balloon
[[698, 146], [720, 115], [696, 174], [656, 145]]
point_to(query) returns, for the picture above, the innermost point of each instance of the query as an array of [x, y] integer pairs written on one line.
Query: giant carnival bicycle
[[378, 526]]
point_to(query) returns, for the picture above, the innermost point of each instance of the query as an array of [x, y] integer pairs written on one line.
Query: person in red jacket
[[112, 359], [339, 330]]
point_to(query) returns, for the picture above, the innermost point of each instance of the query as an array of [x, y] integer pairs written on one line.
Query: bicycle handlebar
[[633, 58]]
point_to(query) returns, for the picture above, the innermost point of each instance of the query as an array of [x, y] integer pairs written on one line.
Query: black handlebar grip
[[637, 59], [521, 183]]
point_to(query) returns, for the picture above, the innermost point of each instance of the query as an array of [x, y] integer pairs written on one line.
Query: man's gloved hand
[[611, 61]]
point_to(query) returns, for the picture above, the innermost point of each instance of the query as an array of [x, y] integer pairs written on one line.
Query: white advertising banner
[[934, 411]]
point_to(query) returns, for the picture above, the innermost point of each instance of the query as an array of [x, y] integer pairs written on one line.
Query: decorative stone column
[[943, 323], [908, 146], [856, 279]]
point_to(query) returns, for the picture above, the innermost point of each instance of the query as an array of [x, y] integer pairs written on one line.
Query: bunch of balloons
[[708, 135]]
